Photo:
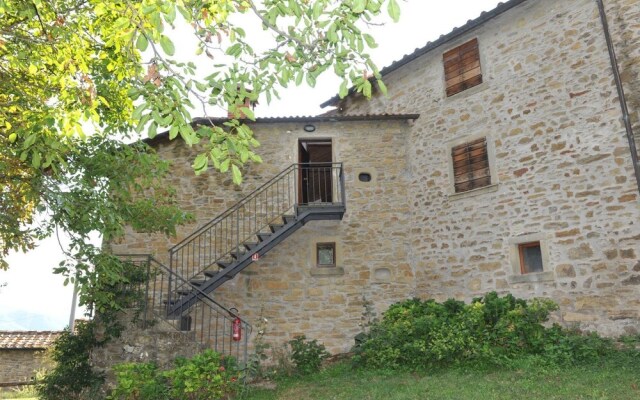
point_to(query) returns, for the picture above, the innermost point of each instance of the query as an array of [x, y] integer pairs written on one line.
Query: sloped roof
[[315, 118], [455, 33], [27, 339], [297, 118]]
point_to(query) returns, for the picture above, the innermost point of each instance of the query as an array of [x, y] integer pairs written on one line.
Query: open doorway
[[315, 178]]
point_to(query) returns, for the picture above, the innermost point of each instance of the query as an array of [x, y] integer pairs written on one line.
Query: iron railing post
[[169, 279], [146, 291], [237, 244], [342, 194]]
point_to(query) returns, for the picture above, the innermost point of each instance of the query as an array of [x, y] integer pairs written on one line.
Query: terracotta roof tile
[[27, 339]]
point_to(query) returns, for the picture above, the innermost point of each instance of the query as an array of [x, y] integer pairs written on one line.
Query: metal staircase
[[220, 249], [207, 323]]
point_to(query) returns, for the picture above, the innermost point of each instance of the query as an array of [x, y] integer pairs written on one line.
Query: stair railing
[[298, 185], [208, 323]]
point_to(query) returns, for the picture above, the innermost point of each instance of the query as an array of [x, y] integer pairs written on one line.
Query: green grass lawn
[[617, 379]]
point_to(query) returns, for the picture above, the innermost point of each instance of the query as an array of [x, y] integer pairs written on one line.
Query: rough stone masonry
[[560, 169]]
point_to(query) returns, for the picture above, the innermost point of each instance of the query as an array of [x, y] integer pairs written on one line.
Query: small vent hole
[[364, 177]]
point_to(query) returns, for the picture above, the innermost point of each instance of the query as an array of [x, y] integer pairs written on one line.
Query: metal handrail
[[230, 210], [156, 298], [195, 288], [246, 199]]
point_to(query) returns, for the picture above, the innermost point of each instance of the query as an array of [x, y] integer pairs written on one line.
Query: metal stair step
[[223, 264], [263, 236], [288, 218], [211, 274], [196, 282], [235, 255], [250, 246], [275, 227], [167, 306]]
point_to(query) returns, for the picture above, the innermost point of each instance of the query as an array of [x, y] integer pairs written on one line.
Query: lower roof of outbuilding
[[27, 339], [204, 121]]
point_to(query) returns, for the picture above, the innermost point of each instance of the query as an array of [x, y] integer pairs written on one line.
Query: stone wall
[[160, 344], [20, 365], [285, 286], [549, 108], [561, 175]]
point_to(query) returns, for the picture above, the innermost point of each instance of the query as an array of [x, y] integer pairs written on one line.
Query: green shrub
[[307, 355], [140, 381], [564, 346], [72, 377], [208, 375], [494, 330]]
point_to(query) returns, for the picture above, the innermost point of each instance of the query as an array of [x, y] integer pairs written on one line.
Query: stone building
[[498, 161], [22, 353]]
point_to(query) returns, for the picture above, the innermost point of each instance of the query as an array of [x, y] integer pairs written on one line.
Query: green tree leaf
[[237, 175], [366, 88], [382, 86], [142, 43], [201, 163], [224, 165], [371, 42], [394, 10], [167, 45], [358, 6], [344, 90]]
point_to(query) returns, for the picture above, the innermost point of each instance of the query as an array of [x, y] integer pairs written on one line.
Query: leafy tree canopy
[[78, 76]]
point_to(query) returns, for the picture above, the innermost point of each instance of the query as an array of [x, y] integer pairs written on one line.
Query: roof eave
[[301, 119]]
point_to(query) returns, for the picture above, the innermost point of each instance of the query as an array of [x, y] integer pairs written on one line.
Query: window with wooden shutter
[[462, 67], [471, 165]]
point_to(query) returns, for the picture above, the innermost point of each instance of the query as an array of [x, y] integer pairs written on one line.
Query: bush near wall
[[491, 330], [206, 376]]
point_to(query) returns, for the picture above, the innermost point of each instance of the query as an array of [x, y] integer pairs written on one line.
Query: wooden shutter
[[471, 165], [462, 67]]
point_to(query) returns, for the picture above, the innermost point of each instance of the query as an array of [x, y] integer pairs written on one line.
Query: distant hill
[[30, 321]]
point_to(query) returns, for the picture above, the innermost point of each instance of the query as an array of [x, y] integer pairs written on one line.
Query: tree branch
[[279, 31]]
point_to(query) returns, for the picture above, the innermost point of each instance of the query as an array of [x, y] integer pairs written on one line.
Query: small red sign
[[255, 257]]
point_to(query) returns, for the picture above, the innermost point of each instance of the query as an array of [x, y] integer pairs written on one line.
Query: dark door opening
[[315, 179]]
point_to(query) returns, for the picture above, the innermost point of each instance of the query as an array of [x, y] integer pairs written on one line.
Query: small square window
[[185, 323], [530, 257], [326, 254]]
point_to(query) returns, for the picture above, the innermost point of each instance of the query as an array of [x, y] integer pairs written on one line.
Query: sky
[[35, 299]]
